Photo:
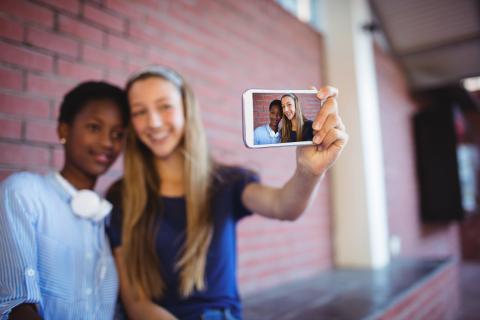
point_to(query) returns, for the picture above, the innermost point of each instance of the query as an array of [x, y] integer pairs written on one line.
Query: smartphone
[[278, 118]]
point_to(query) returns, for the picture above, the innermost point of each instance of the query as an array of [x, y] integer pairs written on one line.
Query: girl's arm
[[289, 202], [18, 249], [286, 203], [142, 308]]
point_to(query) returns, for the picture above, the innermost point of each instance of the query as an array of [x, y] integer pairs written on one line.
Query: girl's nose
[[155, 120], [106, 139]]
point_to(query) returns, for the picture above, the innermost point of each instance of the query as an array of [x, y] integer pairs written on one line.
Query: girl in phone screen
[[269, 132], [296, 127], [173, 227], [56, 262]]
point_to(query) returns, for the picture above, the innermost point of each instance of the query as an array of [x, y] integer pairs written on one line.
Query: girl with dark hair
[[174, 221], [296, 127], [56, 262], [269, 132]]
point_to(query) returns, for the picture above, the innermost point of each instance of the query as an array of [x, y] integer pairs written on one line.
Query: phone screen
[[279, 117]]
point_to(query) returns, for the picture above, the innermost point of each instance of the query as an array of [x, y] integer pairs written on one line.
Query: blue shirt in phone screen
[[265, 135]]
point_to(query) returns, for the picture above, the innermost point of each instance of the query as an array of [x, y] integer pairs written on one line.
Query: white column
[[359, 197]]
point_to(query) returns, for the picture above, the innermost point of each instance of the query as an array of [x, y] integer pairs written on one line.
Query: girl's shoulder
[[29, 191], [231, 174], [307, 130], [225, 172], [114, 192], [23, 182]]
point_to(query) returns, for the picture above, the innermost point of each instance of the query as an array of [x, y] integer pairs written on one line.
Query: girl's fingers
[[335, 137], [327, 92], [332, 121], [329, 107]]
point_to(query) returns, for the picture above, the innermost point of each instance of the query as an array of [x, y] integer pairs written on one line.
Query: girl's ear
[[62, 132]]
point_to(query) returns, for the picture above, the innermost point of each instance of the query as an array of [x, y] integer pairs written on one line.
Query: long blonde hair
[[299, 118], [140, 193]]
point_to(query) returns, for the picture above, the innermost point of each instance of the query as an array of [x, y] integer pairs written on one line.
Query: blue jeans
[[215, 314]]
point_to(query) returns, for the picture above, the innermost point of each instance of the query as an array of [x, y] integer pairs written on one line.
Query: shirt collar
[[58, 186], [271, 132]]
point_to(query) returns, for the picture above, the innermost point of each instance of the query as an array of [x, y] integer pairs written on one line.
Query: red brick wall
[[222, 47], [261, 102], [397, 109], [436, 298], [470, 238]]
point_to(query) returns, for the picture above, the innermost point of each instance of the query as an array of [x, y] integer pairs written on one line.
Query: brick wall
[[436, 298], [221, 47], [397, 109], [261, 102]]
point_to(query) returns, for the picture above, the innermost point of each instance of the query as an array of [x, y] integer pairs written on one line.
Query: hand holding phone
[[304, 120], [275, 118]]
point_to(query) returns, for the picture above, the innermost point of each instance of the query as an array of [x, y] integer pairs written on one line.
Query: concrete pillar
[[359, 196]]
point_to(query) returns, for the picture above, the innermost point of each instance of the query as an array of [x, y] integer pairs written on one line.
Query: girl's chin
[[97, 170], [164, 151]]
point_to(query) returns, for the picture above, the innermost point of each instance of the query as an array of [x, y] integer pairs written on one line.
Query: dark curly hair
[[77, 98]]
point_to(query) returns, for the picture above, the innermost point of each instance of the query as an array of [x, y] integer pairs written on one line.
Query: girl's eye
[[94, 127], [137, 113], [117, 135], [165, 106]]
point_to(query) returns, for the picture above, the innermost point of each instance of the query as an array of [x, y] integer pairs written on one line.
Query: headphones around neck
[[85, 203]]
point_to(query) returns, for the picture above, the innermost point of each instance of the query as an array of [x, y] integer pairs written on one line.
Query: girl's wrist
[[307, 173]]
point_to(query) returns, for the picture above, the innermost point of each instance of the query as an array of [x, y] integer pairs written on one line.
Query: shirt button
[[30, 272], [88, 255], [88, 291]]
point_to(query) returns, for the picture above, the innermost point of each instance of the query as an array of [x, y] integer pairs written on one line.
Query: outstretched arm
[[289, 201]]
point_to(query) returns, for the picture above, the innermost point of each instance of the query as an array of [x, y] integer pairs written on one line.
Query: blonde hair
[[140, 192], [299, 118]]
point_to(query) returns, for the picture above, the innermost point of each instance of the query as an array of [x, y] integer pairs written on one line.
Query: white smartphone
[[278, 118]]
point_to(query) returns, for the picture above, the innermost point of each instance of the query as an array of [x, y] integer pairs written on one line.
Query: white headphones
[[85, 203]]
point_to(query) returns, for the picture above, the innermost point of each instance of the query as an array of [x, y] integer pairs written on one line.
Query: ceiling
[[436, 41]]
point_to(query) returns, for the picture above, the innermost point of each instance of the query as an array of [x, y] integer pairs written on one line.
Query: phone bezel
[[247, 117]]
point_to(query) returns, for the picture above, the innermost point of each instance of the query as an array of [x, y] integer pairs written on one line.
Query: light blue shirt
[[51, 257], [265, 135]]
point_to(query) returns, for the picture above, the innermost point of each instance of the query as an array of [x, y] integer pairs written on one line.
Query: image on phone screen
[[279, 117]]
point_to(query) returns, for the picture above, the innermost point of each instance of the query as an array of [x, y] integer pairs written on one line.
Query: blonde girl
[[296, 126], [174, 224]]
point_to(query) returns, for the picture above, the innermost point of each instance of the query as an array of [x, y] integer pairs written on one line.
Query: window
[[307, 11]]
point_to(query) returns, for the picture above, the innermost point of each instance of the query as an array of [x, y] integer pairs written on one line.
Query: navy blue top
[[307, 132], [221, 286]]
